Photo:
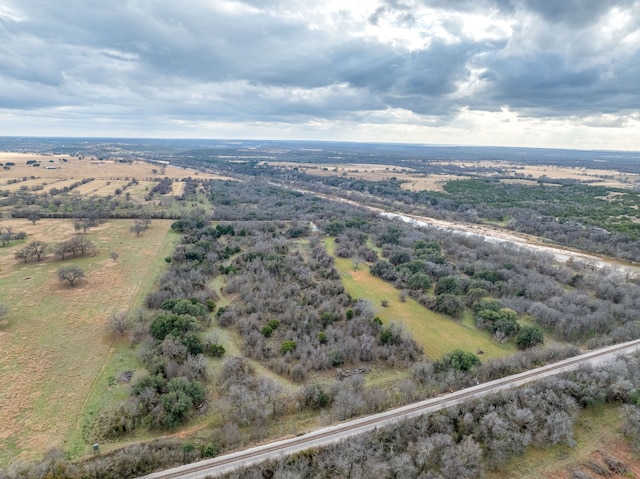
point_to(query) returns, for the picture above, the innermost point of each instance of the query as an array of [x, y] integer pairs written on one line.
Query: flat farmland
[[55, 342], [58, 167], [414, 181], [427, 182], [364, 171], [30, 184], [100, 187], [65, 166]]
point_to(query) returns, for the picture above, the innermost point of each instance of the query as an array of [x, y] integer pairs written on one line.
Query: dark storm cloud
[[543, 81], [576, 13], [255, 60]]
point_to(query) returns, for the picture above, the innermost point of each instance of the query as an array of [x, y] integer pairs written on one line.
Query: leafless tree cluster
[[248, 399], [274, 279], [470, 438], [140, 225], [35, 249], [76, 246], [463, 441]]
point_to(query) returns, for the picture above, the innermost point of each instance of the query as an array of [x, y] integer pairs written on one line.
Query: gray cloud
[[575, 13], [270, 61]]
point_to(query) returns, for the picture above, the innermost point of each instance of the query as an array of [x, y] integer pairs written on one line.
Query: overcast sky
[[546, 73]]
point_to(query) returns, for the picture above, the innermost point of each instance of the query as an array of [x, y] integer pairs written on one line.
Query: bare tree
[[38, 249], [138, 227], [63, 249], [6, 234], [33, 216], [35, 248], [82, 245], [118, 322], [23, 254], [70, 273], [83, 224]]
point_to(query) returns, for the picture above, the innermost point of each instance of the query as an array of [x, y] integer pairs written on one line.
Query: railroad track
[[325, 436]]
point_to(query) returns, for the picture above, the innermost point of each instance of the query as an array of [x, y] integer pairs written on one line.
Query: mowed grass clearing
[[56, 342], [436, 333]]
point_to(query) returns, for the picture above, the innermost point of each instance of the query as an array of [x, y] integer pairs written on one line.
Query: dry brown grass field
[[87, 168], [75, 169], [55, 341]]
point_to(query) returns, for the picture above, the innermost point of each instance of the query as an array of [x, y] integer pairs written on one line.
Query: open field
[[414, 181], [56, 342], [99, 188], [352, 170], [427, 182], [62, 171], [436, 333], [75, 167]]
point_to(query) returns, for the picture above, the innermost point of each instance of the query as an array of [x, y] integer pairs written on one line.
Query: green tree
[[449, 304], [288, 346], [459, 360], [175, 324], [446, 285], [421, 281], [529, 336], [503, 322]]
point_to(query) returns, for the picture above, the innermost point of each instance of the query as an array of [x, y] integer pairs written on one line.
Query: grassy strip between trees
[[105, 388], [435, 332]]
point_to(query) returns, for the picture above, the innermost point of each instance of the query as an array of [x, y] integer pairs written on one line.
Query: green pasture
[[436, 333]]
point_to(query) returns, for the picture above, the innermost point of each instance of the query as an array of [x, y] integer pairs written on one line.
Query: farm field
[[436, 333], [63, 171], [56, 341], [74, 167]]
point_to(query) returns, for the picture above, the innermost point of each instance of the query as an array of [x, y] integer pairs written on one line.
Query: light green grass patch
[[436, 333]]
